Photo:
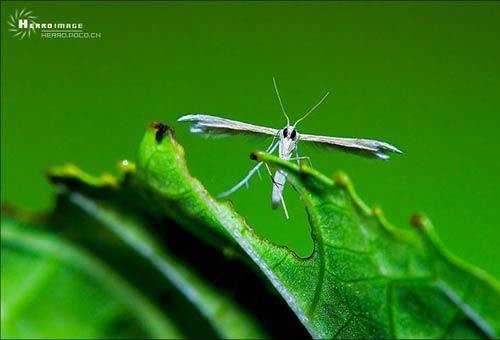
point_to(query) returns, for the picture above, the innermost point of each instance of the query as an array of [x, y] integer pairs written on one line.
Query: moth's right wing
[[364, 147], [206, 124]]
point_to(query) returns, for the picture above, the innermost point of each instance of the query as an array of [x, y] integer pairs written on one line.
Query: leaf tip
[[341, 179], [68, 169], [54, 173], [420, 221], [125, 166], [161, 130], [71, 173], [378, 212], [108, 179]]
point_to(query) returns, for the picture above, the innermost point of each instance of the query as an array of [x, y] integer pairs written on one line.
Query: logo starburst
[[15, 28]]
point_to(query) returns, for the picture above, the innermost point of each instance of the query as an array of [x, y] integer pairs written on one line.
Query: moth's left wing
[[365, 147], [216, 125]]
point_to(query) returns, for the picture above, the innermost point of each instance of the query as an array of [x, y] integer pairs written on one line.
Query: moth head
[[289, 132]]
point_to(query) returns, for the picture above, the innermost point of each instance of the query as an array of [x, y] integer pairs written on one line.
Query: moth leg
[[301, 158], [297, 153], [258, 173], [267, 150], [284, 206], [269, 172], [246, 179], [243, 182], [298, 158]]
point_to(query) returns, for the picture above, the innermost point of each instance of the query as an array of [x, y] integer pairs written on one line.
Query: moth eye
[[285, 132], [293, 134]]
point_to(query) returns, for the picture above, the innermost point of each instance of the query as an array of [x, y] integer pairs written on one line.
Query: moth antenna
[[312, 109], [281, 103]]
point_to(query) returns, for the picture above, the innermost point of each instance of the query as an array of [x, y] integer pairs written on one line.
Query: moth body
[[287, 145]]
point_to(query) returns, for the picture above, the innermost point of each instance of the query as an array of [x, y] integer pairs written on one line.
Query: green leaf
[[382, 280], [226, 318], [365, 278], [84, 200], [52, 289]]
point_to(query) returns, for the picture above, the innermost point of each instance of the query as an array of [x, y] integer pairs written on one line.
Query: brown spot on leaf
[[417, 221], [161, 129]]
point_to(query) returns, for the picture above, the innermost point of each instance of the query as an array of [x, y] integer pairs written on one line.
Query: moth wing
[[206, 124], [364, 147]]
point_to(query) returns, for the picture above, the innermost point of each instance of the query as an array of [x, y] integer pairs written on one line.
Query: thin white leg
[[245, 180], [299, 158], [269, 171]]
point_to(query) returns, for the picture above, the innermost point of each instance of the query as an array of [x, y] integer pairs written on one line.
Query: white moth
[[286, 140]]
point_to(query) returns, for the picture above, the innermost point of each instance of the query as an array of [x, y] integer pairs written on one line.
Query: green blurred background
[[424, 76]]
